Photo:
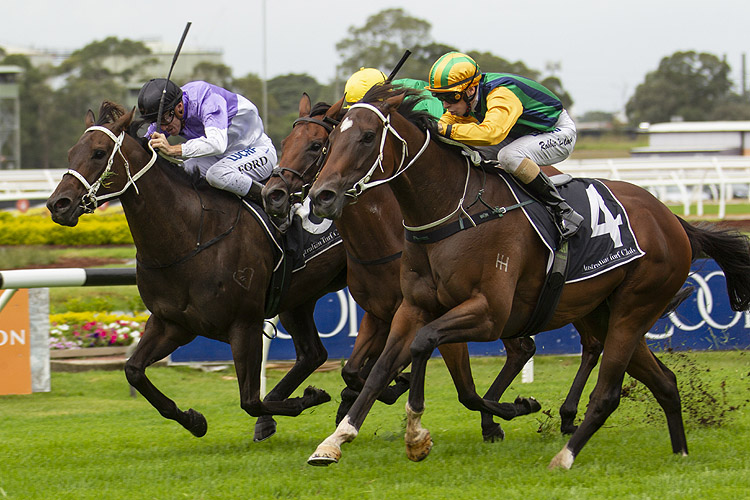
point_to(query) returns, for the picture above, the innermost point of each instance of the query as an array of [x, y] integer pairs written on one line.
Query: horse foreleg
[[518, 353], [394, 358], [591, 350], [367, 347], [469, 321], [157, 342]]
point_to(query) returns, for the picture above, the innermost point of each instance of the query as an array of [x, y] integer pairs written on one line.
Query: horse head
[[359, 155], [301, 156], [95, 163]]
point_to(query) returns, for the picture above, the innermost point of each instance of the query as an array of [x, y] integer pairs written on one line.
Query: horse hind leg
[[310, 355], [518, 353], [591, 350], [662, 383], [153, 346]]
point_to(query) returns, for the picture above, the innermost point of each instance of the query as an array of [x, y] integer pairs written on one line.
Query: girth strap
[[454, 227]]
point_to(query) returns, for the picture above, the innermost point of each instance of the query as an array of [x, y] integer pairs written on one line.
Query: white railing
[[686, 180], [28, 184]]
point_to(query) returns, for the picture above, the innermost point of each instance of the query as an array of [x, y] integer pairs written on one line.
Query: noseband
[[90, 201]]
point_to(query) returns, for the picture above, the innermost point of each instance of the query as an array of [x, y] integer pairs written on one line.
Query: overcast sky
[[604, 48]]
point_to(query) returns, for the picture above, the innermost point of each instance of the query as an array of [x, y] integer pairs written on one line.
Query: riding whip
[[169, 75], [406, 55]]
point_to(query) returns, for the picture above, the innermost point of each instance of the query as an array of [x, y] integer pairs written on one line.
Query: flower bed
[[91, 329]]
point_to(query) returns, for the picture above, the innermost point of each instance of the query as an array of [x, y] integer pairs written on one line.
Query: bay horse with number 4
[[374, 260], [454, 293], [203, 268]]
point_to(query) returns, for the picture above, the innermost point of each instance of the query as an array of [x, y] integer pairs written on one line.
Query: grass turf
[[89, 439]]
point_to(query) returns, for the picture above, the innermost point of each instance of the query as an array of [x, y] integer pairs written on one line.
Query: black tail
[[731, 251], [679, 298]]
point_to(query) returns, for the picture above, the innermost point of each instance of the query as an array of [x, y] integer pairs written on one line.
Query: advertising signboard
[[704, 321]]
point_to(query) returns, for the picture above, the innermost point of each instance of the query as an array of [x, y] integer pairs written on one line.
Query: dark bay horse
[[454, 291], [373, 271], [203, 268]]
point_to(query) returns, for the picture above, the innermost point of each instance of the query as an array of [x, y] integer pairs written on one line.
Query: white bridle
[[90, 200], [364, 183]]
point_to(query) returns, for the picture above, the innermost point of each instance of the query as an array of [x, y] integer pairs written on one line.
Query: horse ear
[[335, 110], [90, 119], [123, 122], [395, 101], [304, 105]]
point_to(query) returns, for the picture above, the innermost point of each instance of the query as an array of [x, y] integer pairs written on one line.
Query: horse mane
[[109, 112], [320, 108], [422, 119]]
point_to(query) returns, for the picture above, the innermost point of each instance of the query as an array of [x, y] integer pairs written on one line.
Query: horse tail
[[679, 298], [731, 251]]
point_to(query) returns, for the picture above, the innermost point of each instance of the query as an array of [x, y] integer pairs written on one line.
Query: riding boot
[[254, 193], [567, 219]]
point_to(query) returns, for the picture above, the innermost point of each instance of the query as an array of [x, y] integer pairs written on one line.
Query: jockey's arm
[[503, 110]]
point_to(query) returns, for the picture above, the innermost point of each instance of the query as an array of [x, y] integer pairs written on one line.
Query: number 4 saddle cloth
[[605, 239]]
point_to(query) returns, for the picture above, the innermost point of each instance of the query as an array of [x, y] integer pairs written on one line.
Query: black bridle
[[327, 123]]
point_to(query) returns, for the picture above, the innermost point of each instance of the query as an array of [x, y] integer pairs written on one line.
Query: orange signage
[[15, 345]]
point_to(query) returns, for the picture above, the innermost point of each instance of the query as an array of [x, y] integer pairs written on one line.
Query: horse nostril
[[277, 195], [326, 196], [59, 205]]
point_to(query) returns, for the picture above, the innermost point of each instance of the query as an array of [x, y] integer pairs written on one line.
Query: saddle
[[306, 238], [604, 241]]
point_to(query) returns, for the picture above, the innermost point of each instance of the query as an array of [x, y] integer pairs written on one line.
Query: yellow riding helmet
[[359, 83], [453, 72]]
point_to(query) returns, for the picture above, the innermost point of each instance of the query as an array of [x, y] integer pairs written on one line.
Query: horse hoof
[[563, 460], [316, 396], [325, 455], [529, 404], [493, 434], [567, 429], [265, 427], [197, 424], [418, 448]]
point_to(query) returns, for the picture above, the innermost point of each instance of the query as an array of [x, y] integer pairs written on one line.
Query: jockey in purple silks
[[225, 142]]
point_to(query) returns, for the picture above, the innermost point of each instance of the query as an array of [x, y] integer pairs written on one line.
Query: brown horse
[[455, 292], [203, 268], [374, 259]]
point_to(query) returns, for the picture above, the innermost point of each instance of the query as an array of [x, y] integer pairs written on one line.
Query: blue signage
[[705, 321]]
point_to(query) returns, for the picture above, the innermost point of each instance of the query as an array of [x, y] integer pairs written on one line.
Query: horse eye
[[316, 146], [368, 137], [98, 154]]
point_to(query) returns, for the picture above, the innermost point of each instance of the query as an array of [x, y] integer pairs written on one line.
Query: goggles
[[448, 97], [167, 118]]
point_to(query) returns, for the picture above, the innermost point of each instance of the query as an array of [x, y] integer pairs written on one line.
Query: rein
[[90, 201]]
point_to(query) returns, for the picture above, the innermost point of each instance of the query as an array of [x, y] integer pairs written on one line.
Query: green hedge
[[99, 228]]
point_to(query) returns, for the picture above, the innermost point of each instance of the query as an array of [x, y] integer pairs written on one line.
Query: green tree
[[52, 119], [37, 104], [381, 42], [689, 85], [217, 74], [250, 86]]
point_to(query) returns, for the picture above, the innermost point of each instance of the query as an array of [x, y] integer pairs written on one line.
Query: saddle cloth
[[605, 239], [307, 237]]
